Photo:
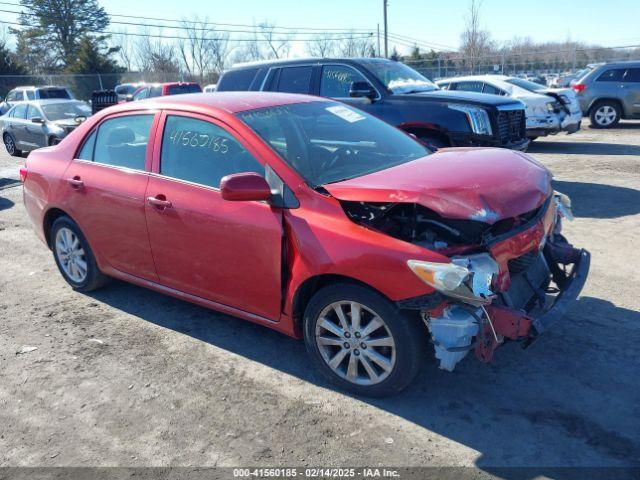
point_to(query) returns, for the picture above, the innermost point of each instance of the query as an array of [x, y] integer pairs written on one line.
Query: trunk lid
[[482, 184]]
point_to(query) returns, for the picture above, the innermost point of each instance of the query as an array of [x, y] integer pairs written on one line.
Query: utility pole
[[386, 38], [379, 55]]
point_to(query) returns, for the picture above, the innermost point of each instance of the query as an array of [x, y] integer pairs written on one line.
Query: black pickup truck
[[395, 93]]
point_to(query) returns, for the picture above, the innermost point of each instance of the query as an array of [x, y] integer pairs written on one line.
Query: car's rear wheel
[[74, 257], [10, 145], [361, 342], [605, 114]]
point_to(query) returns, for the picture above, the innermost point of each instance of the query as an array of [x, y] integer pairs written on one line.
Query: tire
[[53, 141], [402, 360], [64, 233], [434, 143], [605, 114], [10, 145]]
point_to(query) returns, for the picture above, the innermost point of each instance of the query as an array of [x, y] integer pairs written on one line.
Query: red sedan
[[315, 219]]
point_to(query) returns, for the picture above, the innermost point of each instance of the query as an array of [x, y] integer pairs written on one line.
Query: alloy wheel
[[605, 115], [355, 343], [71, 254], [8, 143]]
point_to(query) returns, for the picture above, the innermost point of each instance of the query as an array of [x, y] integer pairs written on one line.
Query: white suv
[[23, 94]]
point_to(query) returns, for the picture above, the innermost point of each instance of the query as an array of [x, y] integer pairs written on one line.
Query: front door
[[104, 192], [227, 252]]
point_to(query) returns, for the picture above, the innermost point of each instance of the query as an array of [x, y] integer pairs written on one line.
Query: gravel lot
[[128, 377]]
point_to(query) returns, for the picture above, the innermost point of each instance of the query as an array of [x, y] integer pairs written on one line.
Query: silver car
[[39, 123], [610, 92]]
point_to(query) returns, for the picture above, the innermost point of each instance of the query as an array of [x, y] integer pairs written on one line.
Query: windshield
[[126, 89], [47, 93], [398, 77], [65, 110], [186, 88], [526, 84], [326, 142]]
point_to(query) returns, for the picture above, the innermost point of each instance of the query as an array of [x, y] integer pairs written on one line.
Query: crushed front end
[[508, 280]]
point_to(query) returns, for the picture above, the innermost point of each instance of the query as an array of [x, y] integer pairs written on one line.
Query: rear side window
[[295, 79], [122, 141], [492, 90], [86, 153], [20, 111], [632, 75], [470, 86], [189, 88], [611, 75], [337, 79], [142, 94], [53, 93], [201, 152], [237, 80]]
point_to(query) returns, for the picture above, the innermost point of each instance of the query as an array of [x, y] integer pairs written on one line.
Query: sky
[[606, 22]]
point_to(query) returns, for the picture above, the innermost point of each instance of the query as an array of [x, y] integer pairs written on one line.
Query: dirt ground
[[128, 377]]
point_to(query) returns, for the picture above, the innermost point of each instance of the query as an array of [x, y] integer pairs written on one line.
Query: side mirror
[[362, 89], [37, 120], [246, 186]]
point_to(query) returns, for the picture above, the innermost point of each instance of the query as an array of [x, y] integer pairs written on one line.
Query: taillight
[[579, 87], [23, 174]]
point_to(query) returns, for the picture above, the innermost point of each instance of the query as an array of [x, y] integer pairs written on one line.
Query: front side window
[[326, 142], [201, 152], [611, 75], [31, 95], [337, 79], [295, 79], [12, 96], [632, 75], [33, 112], [398, 77], [122, 141], [155, 91]]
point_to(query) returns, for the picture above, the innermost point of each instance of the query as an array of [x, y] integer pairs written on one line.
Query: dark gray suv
[[610, 92]]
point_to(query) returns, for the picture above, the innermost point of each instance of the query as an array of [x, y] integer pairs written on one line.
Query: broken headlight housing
[[466, 278], [478, 118], [563, 205]]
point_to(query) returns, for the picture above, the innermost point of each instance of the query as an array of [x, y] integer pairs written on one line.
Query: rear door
[[104, 191], [609, 83], [226, 252], [630, 92]]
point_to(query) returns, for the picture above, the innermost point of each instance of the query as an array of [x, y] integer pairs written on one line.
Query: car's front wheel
[[361, 342], [605, 114], [74, 257], [10, 145]]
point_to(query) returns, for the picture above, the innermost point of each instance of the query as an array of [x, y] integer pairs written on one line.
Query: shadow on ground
[[597, 200], [583, 148], [541, 406]]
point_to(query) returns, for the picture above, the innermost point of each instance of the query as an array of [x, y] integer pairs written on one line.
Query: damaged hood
[[483, 184]]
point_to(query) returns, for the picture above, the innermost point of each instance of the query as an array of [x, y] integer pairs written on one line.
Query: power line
[[195, 22], [205, 39], [257, 29]]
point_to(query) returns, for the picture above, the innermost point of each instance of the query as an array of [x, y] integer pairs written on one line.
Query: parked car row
[[548, 110]]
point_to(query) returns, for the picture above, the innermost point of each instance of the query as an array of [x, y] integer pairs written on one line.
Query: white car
[[209, 88], [548, 110]]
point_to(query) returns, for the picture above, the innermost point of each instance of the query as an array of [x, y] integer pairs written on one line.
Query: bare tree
[[277, 47], [194, 50], [322, 46], [153, 56], [355, 46], [474, 40], [125, 52]]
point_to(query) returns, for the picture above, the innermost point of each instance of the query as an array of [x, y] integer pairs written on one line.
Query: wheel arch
[[49, 217], [307, 289], [606, 99]]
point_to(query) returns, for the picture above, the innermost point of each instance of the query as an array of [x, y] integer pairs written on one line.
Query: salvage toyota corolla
[[314, 219]]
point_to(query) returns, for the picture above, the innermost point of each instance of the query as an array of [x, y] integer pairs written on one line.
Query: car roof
[[475, 78], [230, 102], [39, 87], [49, 101], [294, 61], [626, 63]]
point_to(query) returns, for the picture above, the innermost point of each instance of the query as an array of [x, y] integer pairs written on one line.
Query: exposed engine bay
[[507, 280]]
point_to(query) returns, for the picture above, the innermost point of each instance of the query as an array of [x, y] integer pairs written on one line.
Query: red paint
[[186, 240], [244, 187], [467, 183]]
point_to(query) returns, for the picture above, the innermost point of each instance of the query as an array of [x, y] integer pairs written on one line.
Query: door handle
[[75, 182], [159, 202]]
